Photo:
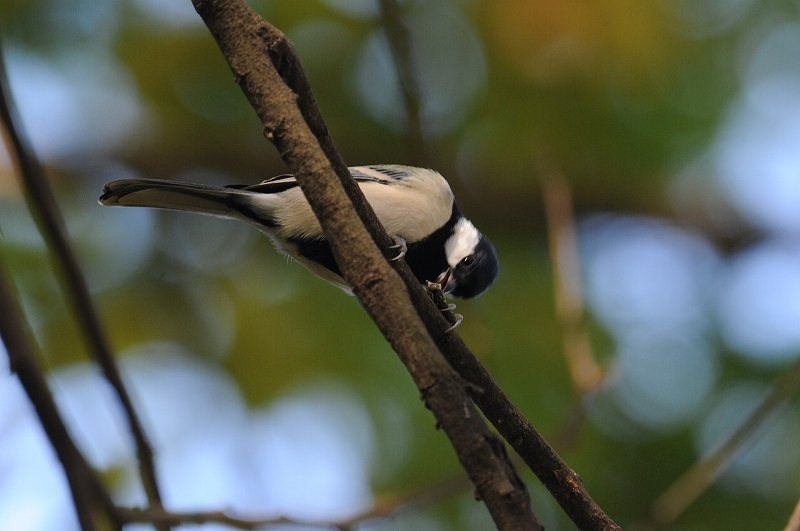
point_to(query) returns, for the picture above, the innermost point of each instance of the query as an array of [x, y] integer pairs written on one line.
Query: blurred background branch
[[42, 203], [200, 518], [685, 490], [92, 503], [403, 58], [585, 371], [386, 506], [794, 520]]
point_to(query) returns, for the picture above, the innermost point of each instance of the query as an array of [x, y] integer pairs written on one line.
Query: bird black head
[[475, 272]]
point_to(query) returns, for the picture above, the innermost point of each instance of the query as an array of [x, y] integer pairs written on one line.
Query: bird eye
[[468, 260]]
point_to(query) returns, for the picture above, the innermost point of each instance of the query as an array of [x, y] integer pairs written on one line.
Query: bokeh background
[[676, 124]]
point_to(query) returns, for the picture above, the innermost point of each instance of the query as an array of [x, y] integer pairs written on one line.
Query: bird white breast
[[462, 243]]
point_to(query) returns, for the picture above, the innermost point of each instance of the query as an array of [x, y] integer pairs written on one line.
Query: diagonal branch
[[45, 211], [92, 502], [243, 38], [562, 482]]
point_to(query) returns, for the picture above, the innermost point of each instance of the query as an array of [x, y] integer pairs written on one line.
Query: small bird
[[415, 205]]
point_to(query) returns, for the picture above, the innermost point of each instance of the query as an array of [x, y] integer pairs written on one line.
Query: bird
[[415, 205]]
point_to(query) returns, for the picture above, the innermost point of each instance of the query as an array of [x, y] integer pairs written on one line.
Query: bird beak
[[447, 280]]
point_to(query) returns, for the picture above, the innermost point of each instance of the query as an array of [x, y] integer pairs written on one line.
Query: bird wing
[[381, 174], [273, 185]]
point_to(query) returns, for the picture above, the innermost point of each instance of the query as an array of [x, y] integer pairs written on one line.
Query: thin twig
[[584, 369], [794, 520], [92, 503], [586, 373], [700, 476], [131, 515], [44, 207], [243, 36], [386, 507], [391, 505], [400, 45]]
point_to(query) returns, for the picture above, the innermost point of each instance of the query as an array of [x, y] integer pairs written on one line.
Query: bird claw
[[399, 243], [436, 293], [458, 320]]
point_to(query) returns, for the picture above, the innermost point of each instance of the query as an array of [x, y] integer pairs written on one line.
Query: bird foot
[[457, 320], [437, 295], [399, 243]]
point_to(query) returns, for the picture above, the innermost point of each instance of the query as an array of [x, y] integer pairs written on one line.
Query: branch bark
[[43, 206], [250, 46], [563, 483]]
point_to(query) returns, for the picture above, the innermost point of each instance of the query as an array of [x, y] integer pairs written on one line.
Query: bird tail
[[176, 195]]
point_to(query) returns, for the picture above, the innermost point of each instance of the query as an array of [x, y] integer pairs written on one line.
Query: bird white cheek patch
[[462, 243]]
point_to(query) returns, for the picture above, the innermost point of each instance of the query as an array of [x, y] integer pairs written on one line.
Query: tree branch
[[44, 208], [243, 38], [92, 502], [563, 483]]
